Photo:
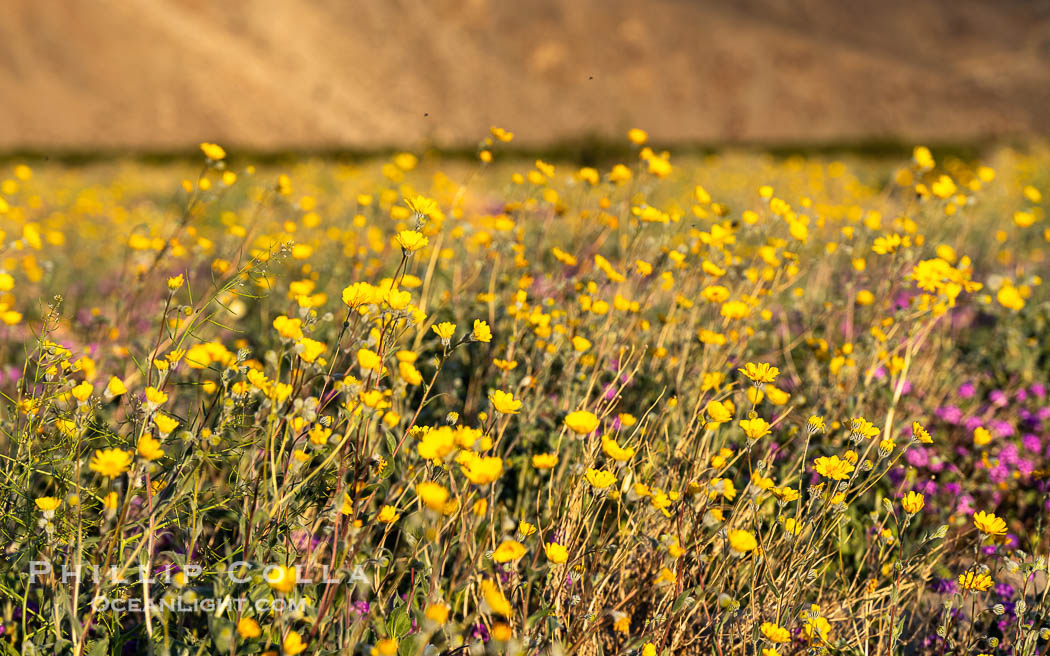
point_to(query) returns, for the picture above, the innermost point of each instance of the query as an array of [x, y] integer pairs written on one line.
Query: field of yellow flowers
[[732, 404]]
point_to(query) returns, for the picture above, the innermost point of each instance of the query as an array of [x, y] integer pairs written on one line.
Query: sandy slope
[[276, 74]]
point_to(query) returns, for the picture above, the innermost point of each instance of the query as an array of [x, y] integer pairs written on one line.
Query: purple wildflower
[[1025, 467], [950, 414], [928, 488], [917, 457], [1002, 428]]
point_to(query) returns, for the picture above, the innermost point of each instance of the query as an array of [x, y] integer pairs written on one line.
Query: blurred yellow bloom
[[110, 462], [545, 460], [213, 152], [437, 613], [290, 329], [482, 332], [581, 422], [943, 187], [109, 502], [388, 515], [599, 478], [760, 373], [920, 433], [816, 629], [975, 582], [310, 349], [83, 391], [833, 468], [47, 504], [422, 206], [863, 428], [501, 134], [615, 451], [791, 525], [358, 294], [913, 502], [1010, 297], [433, 495], [165, 424], [620, 174], [981, 436], [444, 330], [149, 448], [989, 524], [369, 360], [665, 578], [508, 550], [755, 428], [923, 158], [493, 596], [411, 241], [248, 628], [775, 633], [1023, 219], [556, 553], [293, 644], [482, 470], [741, 542], [504, 402], [281, 578]]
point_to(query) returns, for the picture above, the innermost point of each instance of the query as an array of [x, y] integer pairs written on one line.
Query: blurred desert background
[[271, 75]]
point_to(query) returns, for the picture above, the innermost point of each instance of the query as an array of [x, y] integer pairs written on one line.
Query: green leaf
[[98, 647], [408, 646], [399, 623]]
